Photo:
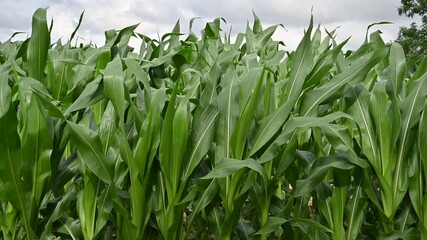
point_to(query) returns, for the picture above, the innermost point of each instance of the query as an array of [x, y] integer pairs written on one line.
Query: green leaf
[[179, 141], [78, 26], [397, 67], [10, 164], [139, 73], [300, 68], [302, 61], [123, 38], [323, 66], [411, 109], [330, 90], [342, 180], [272, 224], [354, 208], [5, 98], [238, 138], [379, 108], [208, 191], [310, 223], [416, 185], [408, 234], [36, 153], [228, 107], [61, 206], [228, 166], [89, 96], [318, 173], [86, 204], [114, 86], [166, 152], [358, 102], [201, 139], [90, 148], [38, 45], [298, 125], [422, 140]]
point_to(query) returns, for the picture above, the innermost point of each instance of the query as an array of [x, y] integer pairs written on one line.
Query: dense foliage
[[211, 138], [413, 38]]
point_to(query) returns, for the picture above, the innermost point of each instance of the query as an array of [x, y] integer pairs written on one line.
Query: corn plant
[[197, 136]]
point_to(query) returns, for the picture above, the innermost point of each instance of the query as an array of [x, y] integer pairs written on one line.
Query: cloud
[[158, 17]]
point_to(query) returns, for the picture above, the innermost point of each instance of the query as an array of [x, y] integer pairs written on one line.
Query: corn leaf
[[38, 45]]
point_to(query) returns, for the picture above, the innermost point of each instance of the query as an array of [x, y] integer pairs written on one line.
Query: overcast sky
[[158, 17]]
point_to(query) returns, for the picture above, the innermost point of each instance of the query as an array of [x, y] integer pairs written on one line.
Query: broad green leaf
[[416, 185], [200, 139], [89, 96], [108, 128], [238, 138], [5, 98], [123, 38], [341, 140], [48, 106], [342, 180], [302, 61], [103, 60], [204, 198], [10, 159], [328, 91], [244, 229], [179, 141], [272, 224], [310, 223], [318, 173], [166, 151], [323, 66], [397, 67], [36, 152], [422, 140], [411, 109], [139, 73], [269, 126], [228, 107], [86, 204], [229, 166], [105, 206], [114, 88], [28, 86], [264, 37], [354, 207], [61, 206], [408, 234], [298, 125], [358, 106], [38, 45], [90, 148], [149, 138], [379, 108], [300, 68]]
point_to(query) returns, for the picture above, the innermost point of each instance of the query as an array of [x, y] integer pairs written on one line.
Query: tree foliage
[[413, 38]]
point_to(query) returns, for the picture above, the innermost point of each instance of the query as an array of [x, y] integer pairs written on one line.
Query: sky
[[155, 18]]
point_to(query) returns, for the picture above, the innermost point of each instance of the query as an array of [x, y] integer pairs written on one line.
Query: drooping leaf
[[229, 166], [90, 148]]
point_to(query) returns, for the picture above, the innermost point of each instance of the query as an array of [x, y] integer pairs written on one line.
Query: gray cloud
[[158, 17]]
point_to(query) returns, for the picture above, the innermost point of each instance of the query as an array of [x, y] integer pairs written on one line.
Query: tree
[[413, 38]]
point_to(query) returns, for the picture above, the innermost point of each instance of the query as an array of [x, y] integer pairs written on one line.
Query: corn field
[[211, 137]]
